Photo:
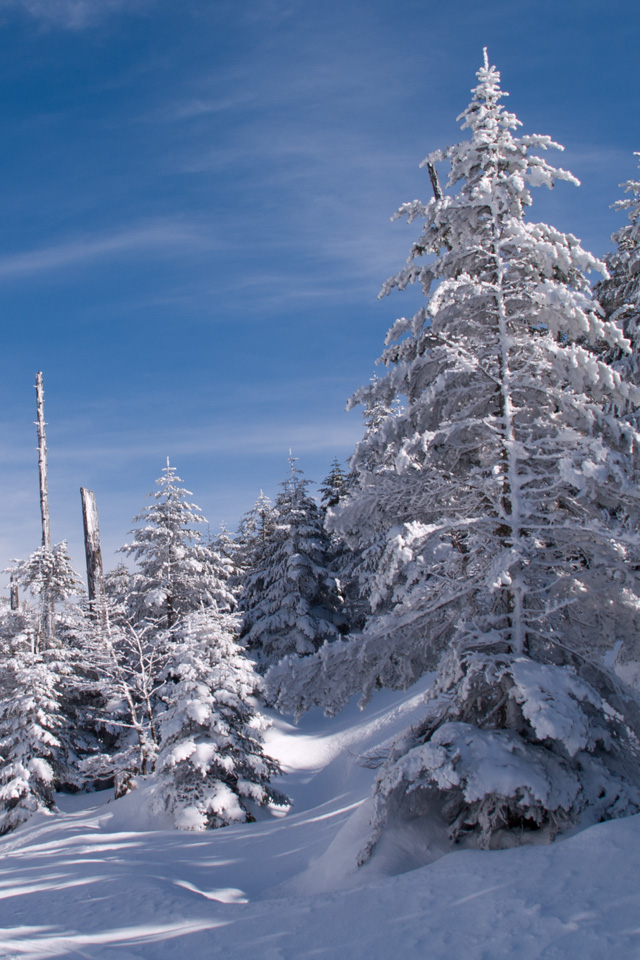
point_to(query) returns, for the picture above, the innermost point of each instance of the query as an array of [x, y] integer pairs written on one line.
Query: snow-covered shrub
[[124, 663]]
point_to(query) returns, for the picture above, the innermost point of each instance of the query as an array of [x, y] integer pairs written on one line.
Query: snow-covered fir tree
[[130, 652], [252, 536], [253, 539], [40, 728], [176, 571], [505, 486], [29, 723], [225, 550], [341, 559], [333, 487], [513, 750], [49, 576], [619, 294], [36, 751], [117, 584], [212, 768], [295, 600]]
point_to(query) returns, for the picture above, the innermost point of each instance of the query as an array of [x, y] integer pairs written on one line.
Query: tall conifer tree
[[504, 485]]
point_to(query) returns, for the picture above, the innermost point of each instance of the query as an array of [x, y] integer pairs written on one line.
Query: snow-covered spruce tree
[[117, 585], [343, 562], [38, 718], [506, 488], [29, 744], [252, 536], [72, 662], [49, 576], [334, 485], [176, 572], [619, 294], [212, 768], [34, 747], [296, 600], [130, 648], [253, 539], [225, 551]]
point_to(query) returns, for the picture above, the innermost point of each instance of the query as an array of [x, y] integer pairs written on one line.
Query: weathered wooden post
[[46, 624], [93, 552]]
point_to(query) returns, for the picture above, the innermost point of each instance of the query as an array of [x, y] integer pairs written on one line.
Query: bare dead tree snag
[[42, 464], [46, 623], [93, 552]]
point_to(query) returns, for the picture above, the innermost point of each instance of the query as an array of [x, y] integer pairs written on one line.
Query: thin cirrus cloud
[[142, 238], [306, 437], [71, 14], [110, 441]]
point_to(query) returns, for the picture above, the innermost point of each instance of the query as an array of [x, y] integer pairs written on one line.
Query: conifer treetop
[[506, 156], [177, 571]]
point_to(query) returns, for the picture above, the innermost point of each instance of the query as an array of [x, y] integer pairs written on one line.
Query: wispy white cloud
[[139, 239], [270, 11], [71, 14], [305, 436], [199, 105]]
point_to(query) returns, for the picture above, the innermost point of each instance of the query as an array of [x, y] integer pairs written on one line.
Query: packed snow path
[[106, 881]]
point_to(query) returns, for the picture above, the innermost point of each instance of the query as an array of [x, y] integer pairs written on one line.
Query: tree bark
[[435, 182], [47, 603], [14, 594], [42, 464], [93, 553]]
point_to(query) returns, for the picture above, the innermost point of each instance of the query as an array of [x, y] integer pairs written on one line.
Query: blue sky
[[195, 223]]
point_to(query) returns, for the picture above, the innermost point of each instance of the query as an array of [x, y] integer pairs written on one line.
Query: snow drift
[[108, 879]]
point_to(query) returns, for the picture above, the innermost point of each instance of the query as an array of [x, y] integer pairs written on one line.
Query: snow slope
[[106, 880]]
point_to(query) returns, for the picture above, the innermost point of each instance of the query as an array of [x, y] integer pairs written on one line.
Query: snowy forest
[[484, 535]]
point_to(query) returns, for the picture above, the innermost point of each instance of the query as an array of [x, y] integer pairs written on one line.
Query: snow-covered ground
[[105, 879]]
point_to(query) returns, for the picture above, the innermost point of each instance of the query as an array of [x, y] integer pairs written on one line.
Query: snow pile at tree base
[[512, 751]]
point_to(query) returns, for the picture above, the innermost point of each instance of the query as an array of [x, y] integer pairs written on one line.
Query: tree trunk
[[435, 182], [46, 616], [42, 464], [93, 553], [511, 499], [15, 596]]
